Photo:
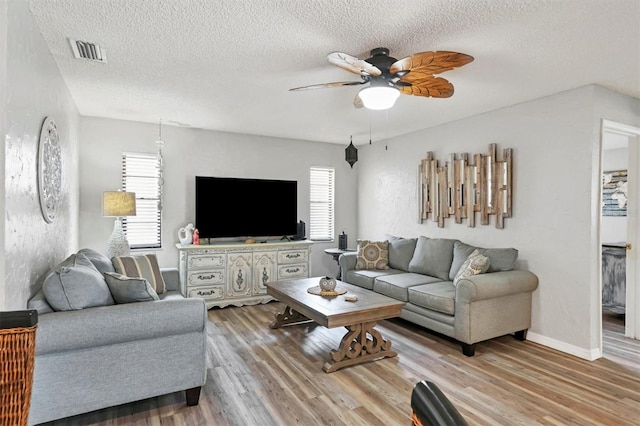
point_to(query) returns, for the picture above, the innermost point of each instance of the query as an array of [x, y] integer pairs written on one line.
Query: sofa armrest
[[171, 278], [347, 262], [495, 284], [107, 325]]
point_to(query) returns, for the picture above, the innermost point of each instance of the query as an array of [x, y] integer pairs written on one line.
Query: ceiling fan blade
[[435, 87], [353, 64], [325, 85], [429, 63], [357, 101]]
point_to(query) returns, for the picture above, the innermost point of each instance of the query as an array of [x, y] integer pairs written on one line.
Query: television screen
[[236, 208]]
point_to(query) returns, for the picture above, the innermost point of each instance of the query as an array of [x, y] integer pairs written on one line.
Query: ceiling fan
[[389, 77]]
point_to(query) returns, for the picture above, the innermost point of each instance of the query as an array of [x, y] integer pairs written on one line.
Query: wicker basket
[[17, 353]]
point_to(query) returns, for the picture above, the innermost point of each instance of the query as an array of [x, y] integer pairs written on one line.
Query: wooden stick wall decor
[[465, 185]]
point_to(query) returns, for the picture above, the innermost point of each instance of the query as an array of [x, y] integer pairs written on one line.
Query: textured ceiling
[[227, 65]]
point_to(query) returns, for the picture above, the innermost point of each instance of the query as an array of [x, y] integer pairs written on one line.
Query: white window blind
[[321, 203], [142, 174]]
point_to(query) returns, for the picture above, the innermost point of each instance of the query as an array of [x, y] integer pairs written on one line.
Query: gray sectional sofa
[[97, 357], [421, 272]]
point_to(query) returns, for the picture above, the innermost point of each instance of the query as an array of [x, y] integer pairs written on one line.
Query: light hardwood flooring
[[260, 376]]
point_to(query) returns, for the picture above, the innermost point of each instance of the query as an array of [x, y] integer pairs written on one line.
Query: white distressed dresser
[[236, 273]]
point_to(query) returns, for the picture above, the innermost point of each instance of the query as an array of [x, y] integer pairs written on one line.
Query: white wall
[[614, 228], [191, 152], [3, 121], [555, 143], [35, 89]]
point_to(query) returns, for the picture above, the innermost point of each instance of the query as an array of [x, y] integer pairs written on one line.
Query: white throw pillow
[[475, 264]]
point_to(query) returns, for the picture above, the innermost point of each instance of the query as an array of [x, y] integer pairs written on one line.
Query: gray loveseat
[[98, 357], [478, 308]]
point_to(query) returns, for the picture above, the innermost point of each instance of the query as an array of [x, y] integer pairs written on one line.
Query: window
[[142, 174], [321, 207]]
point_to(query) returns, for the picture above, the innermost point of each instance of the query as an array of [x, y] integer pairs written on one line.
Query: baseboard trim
[[588, 354]]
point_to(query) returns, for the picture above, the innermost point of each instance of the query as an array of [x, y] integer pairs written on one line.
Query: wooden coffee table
[[362, 342]]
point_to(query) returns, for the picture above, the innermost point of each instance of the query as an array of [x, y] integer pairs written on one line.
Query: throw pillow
[[475, 264], [145, 266], [501, 259], [76, 284], [401, 251], [128, 289], [99, 260], [433, 257], [373, 255]]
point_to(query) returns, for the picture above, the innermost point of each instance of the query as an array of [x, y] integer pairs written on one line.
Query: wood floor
[[260, 376]]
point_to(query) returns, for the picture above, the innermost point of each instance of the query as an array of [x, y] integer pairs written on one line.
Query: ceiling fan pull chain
[[386, 129]]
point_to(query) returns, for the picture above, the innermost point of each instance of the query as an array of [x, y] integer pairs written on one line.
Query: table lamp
[[118, 204]]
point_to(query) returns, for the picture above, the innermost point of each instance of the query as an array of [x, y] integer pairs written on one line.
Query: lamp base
[[117, 244]]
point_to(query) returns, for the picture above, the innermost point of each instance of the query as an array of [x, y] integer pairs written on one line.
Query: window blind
[[141, 173], [321, 203]]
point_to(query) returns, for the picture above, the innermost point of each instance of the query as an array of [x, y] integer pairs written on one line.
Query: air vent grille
[[86, 50]]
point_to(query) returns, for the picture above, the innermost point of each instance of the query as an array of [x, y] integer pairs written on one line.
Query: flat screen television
[[237, 208]]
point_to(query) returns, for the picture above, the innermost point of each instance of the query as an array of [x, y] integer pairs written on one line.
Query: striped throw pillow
[[145, 266]]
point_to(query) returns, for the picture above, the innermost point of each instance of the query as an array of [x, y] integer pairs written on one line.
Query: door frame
[[632, 309]]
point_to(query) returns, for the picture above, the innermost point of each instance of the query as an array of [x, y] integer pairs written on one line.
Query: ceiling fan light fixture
[[379, 97]]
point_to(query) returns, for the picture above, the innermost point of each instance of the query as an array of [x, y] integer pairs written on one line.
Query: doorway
[[619, 312]]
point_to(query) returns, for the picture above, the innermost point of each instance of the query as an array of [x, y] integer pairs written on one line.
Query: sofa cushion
[[365, 278], [144, 266], [500, 259], [128, 289], [76, 284], [475, 264], [99, 260], [439, 296], [401, 251], [171, 295], [396, 285], [433, 257], [373, 255]]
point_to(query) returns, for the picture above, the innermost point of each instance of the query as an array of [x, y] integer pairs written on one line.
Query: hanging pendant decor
[[351, 154]]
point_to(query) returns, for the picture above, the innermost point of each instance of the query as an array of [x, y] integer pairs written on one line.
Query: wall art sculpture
[[466, 184], [49, 169]]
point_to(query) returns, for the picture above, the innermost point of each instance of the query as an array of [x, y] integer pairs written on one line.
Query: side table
[[335, 253]]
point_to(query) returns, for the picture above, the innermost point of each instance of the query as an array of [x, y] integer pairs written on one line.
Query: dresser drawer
[[208, 293], [200, 278], [292, 256], [206, 261], [292, 271]]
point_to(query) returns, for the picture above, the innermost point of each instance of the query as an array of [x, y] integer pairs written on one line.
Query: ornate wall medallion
[[49, 169]]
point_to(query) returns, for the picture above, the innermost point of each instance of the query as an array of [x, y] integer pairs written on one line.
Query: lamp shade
[[118, 203], [379, 97]]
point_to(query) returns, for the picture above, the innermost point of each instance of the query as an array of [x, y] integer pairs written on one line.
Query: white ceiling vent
[[86, 50]]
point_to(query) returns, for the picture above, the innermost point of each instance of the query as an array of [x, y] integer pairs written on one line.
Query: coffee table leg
[[289, 316], [361, 343]]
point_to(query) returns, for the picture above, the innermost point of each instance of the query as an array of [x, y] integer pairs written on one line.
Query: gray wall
[[555, 199], [34, 89], [192, 152], [3, 121]]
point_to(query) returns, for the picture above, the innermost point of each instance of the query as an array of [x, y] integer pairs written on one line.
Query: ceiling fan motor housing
[[381, 59]]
